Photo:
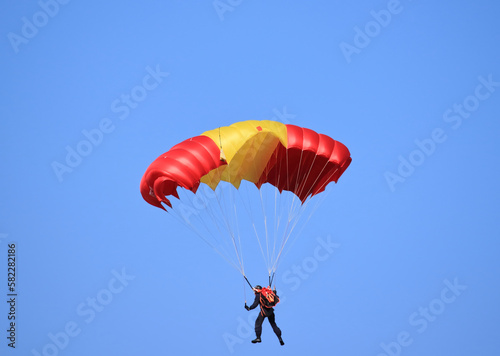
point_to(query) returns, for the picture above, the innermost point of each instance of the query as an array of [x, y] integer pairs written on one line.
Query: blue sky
[[401, 257]]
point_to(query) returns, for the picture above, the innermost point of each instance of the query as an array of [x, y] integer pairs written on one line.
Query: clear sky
[[400, 258]]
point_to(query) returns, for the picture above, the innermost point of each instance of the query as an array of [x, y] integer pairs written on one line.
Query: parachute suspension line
[[309, 172], [238, 232], [291, 223], [227, 227], [231, 234], [268, 261], [188, 224], [245, 292], [253, 216], [286, 233], [244, 196], [280, 202], [245, 289], [218, 237], [320, 173], [295, 218], [265, 218], [277, 216], [223, 214], [212, 214], [276, 223], [260, 246], [316, 206], [283, 242], [313, 210], [191, 226]]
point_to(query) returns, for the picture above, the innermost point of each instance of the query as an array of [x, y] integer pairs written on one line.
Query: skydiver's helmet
[[257, 289]]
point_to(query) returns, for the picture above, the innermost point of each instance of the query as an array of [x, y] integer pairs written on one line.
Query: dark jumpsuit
[[264, 312]]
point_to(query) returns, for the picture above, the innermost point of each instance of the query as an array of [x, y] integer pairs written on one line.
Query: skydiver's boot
[[256, 340], [281, 341]]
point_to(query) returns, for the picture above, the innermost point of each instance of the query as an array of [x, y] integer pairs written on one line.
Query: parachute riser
[[246, 279], [271, 278]]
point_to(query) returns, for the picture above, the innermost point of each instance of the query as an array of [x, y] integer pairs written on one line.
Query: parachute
[[266, 159]]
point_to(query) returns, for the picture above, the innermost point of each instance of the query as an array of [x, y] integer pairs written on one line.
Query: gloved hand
[[247, 307]]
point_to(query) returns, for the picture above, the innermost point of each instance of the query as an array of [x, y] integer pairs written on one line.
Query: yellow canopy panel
[[246, 147]]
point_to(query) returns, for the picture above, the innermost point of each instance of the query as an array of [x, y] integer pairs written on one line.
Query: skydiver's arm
[[256, 302]]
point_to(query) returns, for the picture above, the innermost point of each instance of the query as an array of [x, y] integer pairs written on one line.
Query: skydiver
[[264, 312]]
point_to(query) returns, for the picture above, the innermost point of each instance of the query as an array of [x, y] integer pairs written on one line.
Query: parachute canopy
[[288, 157]]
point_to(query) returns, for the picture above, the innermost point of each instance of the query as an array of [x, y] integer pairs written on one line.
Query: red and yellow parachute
[[289, 157], [296, 161]]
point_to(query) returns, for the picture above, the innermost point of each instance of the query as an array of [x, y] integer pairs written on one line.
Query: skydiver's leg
[[276, 330], [258, 325], [272, 321]]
